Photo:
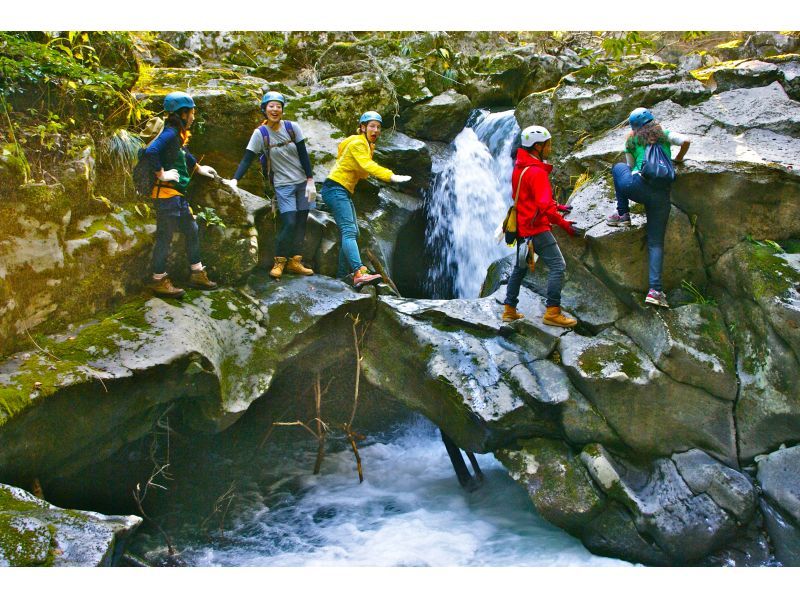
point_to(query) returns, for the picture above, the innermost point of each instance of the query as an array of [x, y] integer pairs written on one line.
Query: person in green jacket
[[353, 163]]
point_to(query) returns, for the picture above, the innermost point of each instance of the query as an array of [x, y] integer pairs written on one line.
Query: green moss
[[734, 43], [595, 358], [771, 276]]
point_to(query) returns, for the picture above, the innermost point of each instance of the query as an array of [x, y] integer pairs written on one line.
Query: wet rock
[[730, 489], [689, 343], [768, 43], [556, 481], [685, 525], [652, 413], [442, 360], [438, 119], [404, 155], [613, 533], [35, 533], [779, 477], [785, 536]]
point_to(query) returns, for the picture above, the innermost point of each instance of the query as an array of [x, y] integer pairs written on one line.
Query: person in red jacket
[[536, 213]]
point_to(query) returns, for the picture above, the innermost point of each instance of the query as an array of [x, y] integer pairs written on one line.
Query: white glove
[[168, 176], [311, 191], [206, 171], [232, 183], [400, 178]]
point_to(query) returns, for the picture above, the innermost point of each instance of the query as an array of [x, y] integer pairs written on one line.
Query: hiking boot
[[164, 288], [616, 220], [554, 317], [295, 266], [510, 314], [655, 297], [199, 280], [362, 276], [277, 268]]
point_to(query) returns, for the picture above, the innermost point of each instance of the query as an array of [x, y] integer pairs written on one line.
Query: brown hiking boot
[[295, 266], [164, 288], [554, 317], [277, 268], [199, 280], [510, 314]]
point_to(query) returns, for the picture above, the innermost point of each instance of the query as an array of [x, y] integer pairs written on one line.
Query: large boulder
[[404, 155], [689, 343], [438, 119], [35, 533], [447, 360], [217, 351], [652, 413], [557, 482], [684, 519], [779, 477]]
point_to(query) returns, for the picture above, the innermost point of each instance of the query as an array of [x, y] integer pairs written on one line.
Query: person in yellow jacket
[[353, 163]]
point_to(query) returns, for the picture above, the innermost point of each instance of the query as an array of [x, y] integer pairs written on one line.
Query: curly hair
[[647, 134]]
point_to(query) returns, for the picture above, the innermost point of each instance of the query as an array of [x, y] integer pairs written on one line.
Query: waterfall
[[468, 200]]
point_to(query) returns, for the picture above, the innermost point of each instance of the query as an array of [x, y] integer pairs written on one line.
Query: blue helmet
[[272, 96], [368, 116], [176, 100], [640, 117]]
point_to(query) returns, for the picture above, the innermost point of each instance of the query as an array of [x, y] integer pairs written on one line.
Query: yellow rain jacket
[[354, 162]]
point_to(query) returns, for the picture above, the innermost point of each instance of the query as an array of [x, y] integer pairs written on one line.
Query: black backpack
[[144, 176], [657, 166]]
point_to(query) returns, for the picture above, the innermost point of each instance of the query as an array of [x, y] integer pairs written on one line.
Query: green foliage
[[764, 243], [210, 217], [120, 149], [631, 42], [689, 36], [696, 294], [77, 73]]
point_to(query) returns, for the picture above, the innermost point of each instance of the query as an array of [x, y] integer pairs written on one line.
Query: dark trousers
[[293, 233], [173, 216], [546, 247], [632, 187]]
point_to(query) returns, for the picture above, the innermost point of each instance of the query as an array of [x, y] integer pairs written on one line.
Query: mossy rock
[[556, 481]]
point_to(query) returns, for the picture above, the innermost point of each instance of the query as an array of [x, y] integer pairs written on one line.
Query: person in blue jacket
[[174, 166], [283, 147]]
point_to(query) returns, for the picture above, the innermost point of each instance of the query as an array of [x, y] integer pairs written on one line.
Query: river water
[[409, 511]]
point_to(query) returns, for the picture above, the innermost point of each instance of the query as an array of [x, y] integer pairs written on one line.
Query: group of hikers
[[280, 146]]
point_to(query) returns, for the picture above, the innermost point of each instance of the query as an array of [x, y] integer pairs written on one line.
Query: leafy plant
[[631, 42], [697, 296], [210, 217]]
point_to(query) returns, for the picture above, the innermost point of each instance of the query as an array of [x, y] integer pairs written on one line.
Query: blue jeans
[[632, 187], [344, 213], [172, 214], [546, 247]]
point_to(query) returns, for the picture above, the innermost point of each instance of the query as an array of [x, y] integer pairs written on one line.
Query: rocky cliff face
[[662, 437]]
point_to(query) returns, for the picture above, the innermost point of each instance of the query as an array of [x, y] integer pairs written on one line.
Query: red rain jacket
[[536, 209]]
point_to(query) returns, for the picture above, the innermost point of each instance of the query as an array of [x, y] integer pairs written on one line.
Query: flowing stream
[[409, 511], [467, 202]]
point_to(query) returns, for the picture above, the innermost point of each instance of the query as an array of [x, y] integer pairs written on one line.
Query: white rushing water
[[409, 511], [467, 203]]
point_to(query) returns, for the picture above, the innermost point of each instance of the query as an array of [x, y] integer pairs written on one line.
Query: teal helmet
[[639, 118], [368, 116], [272, 96], [176, 100]]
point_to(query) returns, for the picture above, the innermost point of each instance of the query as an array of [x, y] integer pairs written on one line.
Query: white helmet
[[534, 134]]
